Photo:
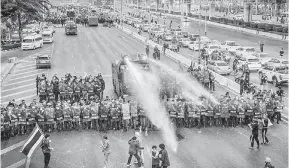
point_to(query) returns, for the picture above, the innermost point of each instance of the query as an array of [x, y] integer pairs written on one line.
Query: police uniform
[[133, 113], [189, 114], [104, 112], [94, 110], [86, 116], [125, 115]]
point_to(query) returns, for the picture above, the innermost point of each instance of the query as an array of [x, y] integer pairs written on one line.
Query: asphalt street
[[222, 34], [91, 52]]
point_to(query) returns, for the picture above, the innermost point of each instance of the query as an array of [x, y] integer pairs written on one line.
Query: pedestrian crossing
[[21, 84]]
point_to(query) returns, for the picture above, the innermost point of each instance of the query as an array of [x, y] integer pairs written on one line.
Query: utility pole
[[206, 22], [199, 58]]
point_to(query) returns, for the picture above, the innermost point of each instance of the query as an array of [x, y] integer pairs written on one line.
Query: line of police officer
[[118, 114]]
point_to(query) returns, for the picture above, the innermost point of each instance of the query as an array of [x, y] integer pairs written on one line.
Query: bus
[[47, 36], [93, 21]]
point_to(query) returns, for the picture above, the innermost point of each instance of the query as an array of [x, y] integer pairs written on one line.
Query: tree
[[24, 10]]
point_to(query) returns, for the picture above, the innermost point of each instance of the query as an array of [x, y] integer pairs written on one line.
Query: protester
[[164, 157], [155, 157], [105, 144], [134, 148], [255, 134], [46, 149]]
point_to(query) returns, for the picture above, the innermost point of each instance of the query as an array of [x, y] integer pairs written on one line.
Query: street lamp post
[[199, 58], [121, 16]]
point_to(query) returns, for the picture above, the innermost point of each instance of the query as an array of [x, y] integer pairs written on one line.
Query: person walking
[[134, 148], [281, 52], [255, 134], [264, 131], [164, 157], [46, 149], [261, 46], [105, 144]]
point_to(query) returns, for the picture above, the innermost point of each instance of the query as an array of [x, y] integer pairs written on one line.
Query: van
[[32, 42], [47, 36]]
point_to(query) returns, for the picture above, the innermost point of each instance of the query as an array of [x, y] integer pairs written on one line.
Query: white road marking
[[20, 82], [19, 99], [36, 70], [22, 86], [98, 66], [17, 164], [12, 147], [72, 55], [26, 76], [26, 65], [28, 162], [14, 94], [26, 61], [24, 69]]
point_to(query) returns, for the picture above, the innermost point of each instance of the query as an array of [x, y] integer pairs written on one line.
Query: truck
[[93, 21], [122, 78]]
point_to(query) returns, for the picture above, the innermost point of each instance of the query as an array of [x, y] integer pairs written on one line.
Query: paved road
[[220, 34], [91, 51]]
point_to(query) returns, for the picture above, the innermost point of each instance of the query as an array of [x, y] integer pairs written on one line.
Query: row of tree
[[15, 14]]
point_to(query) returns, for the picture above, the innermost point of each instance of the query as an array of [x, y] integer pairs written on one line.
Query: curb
[[10, 49], [147, 42], [14, 62]]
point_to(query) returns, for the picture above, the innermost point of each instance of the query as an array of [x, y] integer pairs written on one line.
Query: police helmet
[[268, 160]]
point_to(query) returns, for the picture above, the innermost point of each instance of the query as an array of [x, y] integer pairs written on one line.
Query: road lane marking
[[13, 94], [27, 72], [26, 65], [12, 147], [17, 164], [20, 82], [22, 86], [18, 70], [19, 99], [27, 76]]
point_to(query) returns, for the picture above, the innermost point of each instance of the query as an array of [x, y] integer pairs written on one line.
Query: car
[[229, 45], [254, 63], [43, 61], [184, 42], [167, 36], [205, 40], [185, 19], [240, 51], [194, 45], [275, 74], [220, 67], [185, 34], [194, 37], [273, 61], [211, 47]]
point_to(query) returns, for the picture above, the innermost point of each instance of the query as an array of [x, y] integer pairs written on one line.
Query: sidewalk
[[5, 69]]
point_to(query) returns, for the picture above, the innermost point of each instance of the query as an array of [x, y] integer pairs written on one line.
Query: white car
[[184, 42], [211, 47], [194, 45], [229, 45], [205, 40], [273, 61], [220, 67], [185, 19], [245, 51], [275, 74], [254, 63]]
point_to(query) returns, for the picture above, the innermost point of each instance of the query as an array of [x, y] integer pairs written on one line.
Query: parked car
[[273, 61], [220, 67], [229, 45], [167, 37], [275, 74], [254, 63], [184, 42], [240, 51], [194, 45]]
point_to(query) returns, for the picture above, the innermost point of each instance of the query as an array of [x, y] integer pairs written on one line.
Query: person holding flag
[[34, 139], [46, 149]]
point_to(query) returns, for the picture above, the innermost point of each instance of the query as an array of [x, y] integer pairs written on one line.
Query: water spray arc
[[154, 109], [189, 85]]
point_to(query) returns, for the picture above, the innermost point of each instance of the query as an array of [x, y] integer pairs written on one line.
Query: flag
[[32, 142]]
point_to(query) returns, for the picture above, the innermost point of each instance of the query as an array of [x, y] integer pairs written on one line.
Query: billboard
[[103, 2]]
